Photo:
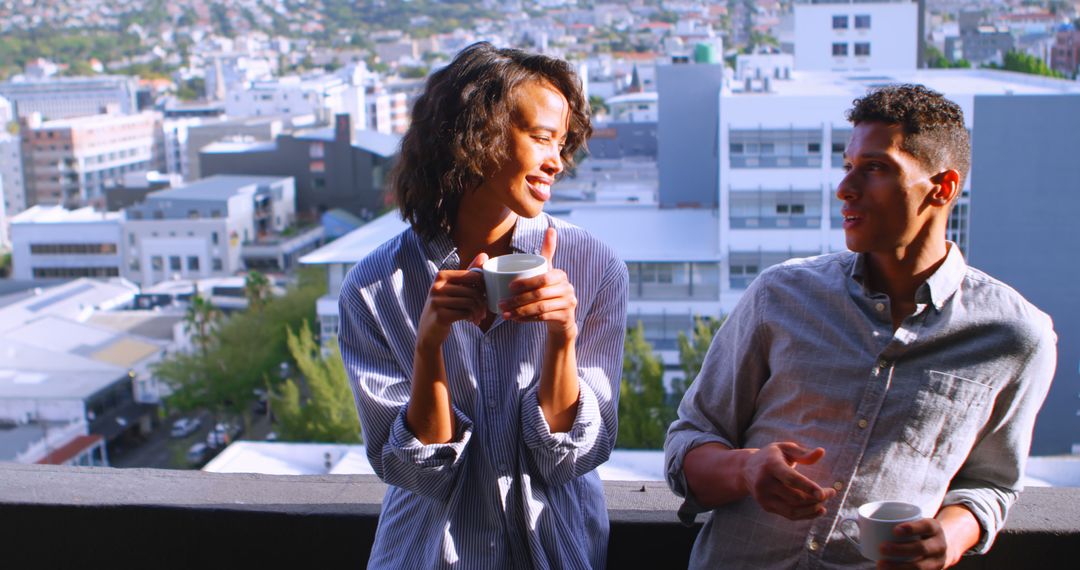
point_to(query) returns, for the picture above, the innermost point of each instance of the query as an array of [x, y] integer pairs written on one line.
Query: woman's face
[[538, 125]]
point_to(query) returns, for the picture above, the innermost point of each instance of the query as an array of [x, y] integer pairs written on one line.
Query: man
[[893, 371]]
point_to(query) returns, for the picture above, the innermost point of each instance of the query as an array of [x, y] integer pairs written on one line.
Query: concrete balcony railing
[[64, 517]]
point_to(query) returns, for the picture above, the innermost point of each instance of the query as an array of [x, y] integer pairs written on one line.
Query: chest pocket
[[946, 412]]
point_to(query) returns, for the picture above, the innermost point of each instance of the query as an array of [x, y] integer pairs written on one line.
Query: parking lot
[[162, 451]]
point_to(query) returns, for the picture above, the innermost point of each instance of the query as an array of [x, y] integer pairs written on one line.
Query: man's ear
[[946, 187]]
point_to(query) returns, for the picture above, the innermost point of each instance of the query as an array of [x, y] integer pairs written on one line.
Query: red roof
[[70, 449]]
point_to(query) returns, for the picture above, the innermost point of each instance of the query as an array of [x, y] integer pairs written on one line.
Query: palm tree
[[256, 289], [199, 321]]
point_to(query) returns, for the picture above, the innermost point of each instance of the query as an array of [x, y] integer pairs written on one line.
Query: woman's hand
[[549, 298], [455, 295]]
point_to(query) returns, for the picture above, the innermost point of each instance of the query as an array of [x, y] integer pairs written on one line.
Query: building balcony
[[66, 516]]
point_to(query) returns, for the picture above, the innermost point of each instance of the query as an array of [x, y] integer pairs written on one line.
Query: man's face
[[886, 192], [522, 183]]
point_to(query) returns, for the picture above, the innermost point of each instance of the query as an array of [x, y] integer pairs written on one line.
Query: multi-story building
[[12, 193], [199, 230], [857, 35], [321, 96], [51, 242], [63, 97], [1065, 55], [1024, 180], [185, 137], [333, 167], [72, 161], [979, 43]]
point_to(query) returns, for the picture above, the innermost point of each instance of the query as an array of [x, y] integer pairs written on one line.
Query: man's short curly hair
[[933, 126], [461, 127]]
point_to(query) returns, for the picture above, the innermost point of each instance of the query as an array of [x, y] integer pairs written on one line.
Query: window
[[159, 215], [840, 22], [215, 214], [216, 264], [131, 239], [193, 214], [73, 248], [775, 148], [134, 265], [862, 49], [317, 166], [174, 263], [771, 209], [193, 263], [839, 50], [840, 138], [214, 238], [157, 263], [862, 22]]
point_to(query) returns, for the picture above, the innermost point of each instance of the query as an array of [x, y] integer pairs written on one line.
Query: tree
[[597, 105], [643, 415], [242, 353], [1027, 63], [328, 413], [692, 350], [200, 318], [256, 290]]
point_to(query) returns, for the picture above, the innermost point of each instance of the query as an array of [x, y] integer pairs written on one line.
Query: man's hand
[[927, 552], [770, 477], [942, 541], [549, 297]]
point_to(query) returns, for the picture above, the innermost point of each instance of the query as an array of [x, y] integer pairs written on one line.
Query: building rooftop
[[950, 81], [45, 214], [90, 121], [639, 233], [354, 245], [218, 187], [226, 147], [75, 300]]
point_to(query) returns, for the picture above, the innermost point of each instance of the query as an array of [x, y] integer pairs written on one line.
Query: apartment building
[[199, 230], [64, 97], [857, 35], [72, 161], [321, 96]]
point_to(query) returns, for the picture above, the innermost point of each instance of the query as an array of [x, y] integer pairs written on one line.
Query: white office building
[[856, 35], [64, 97], [321, 96], [50, 242]]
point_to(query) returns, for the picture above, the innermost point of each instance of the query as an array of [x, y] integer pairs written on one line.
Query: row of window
[[66, 272], [784, 148], [680, 280], [73, 248], [862, 22], [840, 49], [157, 263]]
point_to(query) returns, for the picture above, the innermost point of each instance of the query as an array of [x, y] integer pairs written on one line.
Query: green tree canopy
[[692, 350], [328, 413], [643, 414]]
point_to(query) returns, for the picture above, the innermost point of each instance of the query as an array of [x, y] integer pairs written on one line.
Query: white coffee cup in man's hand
[[876, 522]]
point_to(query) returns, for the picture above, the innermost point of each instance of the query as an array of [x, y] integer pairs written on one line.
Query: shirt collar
[[938, 287], [528, 236]]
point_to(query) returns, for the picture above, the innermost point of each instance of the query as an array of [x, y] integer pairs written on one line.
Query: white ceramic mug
[[500, 271], [876, 522]]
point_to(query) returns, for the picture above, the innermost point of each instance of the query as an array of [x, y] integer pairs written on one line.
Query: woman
[[488, 427]]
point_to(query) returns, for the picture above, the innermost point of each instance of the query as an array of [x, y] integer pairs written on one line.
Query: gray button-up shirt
[[506, 492], [938, 412]]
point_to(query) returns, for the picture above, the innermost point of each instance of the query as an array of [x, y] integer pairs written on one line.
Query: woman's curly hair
[[460, 129]]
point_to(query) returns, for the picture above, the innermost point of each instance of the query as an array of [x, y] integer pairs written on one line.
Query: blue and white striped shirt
[[506, 492]]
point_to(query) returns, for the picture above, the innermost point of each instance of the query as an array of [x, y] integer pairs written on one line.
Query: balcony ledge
[[68, 516]]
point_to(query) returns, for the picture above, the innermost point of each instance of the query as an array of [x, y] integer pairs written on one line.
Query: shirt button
[[883, 364], [491, 402], [838, 485], [880, 307], [502, 467], [863, 424], [812, 545]]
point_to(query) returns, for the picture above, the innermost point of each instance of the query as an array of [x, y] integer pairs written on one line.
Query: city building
[[200, 230], [857, 35], [322, 96], [1065, 57], [70, 388], [50, 242], [64, 97], [688, 119], [333, 167], [185, 137], [72, 161], [1022, 145], [979, 43]]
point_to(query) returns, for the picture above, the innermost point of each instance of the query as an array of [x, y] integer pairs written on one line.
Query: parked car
[[196, 454], [184, 427], [223, 434]]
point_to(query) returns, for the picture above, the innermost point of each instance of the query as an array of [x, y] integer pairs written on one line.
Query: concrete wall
[[892, 35], [689, 96], [191, 519], [1024, 204]]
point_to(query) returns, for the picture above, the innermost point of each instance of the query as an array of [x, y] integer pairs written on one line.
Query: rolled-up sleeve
[[559, 457], [990, 480], [381, 389], [719, 404]]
